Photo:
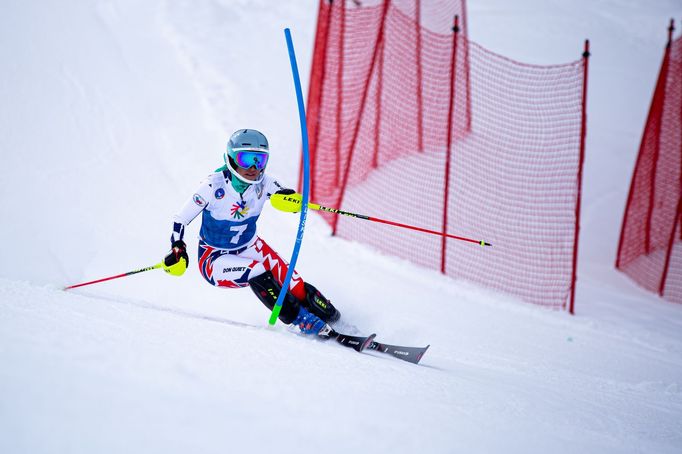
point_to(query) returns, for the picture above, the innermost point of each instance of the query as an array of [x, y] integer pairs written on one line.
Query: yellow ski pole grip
[[290, 203]]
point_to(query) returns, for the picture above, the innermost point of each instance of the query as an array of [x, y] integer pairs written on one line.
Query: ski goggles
[[249, 158]]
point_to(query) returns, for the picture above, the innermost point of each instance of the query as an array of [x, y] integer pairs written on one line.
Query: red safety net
[[492, 153], [650, 249]]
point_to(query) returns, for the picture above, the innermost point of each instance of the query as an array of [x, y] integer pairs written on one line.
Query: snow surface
[[112, 112]]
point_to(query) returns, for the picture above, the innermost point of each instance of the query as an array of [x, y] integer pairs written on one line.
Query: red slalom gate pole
[[149, 268]]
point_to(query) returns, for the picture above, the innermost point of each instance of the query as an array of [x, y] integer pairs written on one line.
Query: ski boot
[[316, 303], [309, 323]]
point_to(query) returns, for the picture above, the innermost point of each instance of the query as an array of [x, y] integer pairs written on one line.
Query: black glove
[[286, 191], [175, 256]]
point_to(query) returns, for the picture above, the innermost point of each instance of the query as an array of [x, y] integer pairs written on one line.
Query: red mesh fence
[[650, 249], [492, 153]]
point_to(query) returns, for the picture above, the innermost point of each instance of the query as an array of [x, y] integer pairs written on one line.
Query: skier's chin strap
[[238, 184]]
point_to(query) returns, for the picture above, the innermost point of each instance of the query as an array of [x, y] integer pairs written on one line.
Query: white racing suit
[[230, 252]]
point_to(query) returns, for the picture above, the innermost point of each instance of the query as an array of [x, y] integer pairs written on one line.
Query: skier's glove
[[176, 261], [286, 200]]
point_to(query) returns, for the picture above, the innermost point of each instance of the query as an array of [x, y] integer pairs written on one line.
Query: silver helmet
[[246, 148]]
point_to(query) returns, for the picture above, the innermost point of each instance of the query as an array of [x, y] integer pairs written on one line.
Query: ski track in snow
[[170, 358]]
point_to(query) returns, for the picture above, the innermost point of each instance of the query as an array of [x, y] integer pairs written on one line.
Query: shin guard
[[316, 303], [267, 289]]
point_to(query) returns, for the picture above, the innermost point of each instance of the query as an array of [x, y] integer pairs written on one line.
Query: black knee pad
[[316, 303], [267, 289]]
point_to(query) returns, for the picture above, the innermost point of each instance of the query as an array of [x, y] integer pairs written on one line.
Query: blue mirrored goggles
[[249, 158]]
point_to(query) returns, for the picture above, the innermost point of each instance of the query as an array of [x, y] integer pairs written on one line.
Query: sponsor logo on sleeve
[[199, 200]]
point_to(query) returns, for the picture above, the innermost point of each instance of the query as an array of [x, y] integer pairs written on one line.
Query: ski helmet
[[247, 148]]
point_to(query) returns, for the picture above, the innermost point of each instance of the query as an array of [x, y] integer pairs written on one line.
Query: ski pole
[[291, 203], [158, 265]]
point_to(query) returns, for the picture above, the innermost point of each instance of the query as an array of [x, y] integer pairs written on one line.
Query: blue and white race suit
[[230, 252]]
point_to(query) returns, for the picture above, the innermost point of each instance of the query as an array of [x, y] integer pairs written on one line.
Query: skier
[[231, 255]]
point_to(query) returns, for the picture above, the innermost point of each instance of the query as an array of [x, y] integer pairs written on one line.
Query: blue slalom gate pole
[[306, 177]]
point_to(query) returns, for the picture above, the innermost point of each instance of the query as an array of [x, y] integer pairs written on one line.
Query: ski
[[357, 343], [409, 354]]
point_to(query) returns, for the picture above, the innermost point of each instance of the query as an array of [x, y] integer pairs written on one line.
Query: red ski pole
[[292, 203], [158, 265]]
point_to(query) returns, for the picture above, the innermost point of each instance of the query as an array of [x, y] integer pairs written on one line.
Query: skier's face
[[250, 174]]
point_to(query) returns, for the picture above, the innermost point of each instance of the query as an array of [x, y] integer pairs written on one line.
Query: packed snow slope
[[114, 110]]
